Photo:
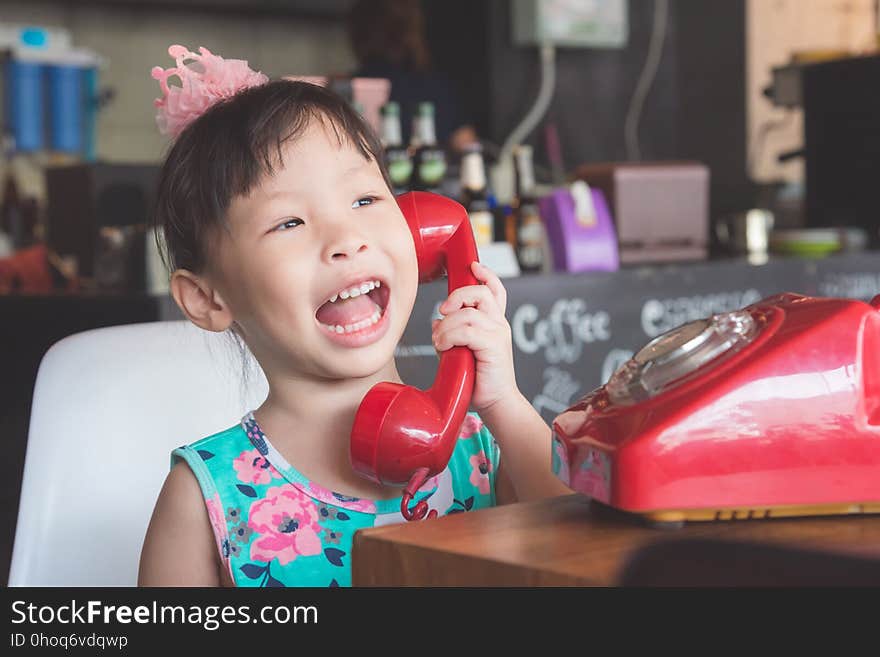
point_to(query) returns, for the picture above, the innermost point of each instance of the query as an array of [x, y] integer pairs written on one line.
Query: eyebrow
[[280, 194], [358, 167], [283, 193]]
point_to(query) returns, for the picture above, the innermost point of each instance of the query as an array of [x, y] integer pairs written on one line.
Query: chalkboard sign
[[571, 332]]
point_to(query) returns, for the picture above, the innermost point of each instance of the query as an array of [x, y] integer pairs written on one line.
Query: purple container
[[577, 247]]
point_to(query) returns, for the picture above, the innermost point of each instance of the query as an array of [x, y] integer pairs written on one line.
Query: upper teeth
[[355, 291]]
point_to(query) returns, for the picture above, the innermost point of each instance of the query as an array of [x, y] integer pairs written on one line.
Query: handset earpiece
[[403, 435]]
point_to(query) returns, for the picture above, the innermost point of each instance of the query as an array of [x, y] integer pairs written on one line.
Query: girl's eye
[[366, 200], [290, 222]]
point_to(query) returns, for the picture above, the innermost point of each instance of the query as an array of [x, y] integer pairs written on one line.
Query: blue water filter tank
[[67, 107], [90, 113], [23, 92]]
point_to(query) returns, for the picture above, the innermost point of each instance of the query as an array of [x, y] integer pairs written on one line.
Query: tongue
[[347, 311]]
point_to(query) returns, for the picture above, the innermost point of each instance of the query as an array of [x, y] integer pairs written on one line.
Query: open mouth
[[355, 308]]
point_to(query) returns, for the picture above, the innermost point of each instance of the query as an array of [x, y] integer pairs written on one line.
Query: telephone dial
[[402, 435]]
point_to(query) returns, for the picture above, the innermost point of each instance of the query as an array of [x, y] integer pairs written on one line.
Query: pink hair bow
[[205, 78]]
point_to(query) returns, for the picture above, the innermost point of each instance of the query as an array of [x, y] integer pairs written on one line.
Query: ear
[[200, 301]]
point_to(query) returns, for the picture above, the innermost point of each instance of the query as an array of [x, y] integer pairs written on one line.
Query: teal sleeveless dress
[[273, 527]]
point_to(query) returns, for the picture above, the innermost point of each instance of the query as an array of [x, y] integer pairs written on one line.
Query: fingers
[[491, 297], [467, 327], [496, 287]]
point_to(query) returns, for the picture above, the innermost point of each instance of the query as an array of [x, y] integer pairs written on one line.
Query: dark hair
[[389, 32], [226, 151]]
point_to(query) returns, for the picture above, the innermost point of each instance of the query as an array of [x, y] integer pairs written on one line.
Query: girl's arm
[[524, 473], [179, 548], [474, 318]]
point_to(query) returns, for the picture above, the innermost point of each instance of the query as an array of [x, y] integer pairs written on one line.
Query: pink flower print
[[356, 503], [286, 522], [253, 468], [218, 524], [470, 426], [480, 473], [338, 499]]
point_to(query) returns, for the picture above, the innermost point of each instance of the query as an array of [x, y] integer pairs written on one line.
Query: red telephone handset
[[403, 435]]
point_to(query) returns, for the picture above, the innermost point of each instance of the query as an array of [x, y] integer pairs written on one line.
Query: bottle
[[475, 195], [529, 227], [503, 222], [397, 157], [429, 159], [505, 226]]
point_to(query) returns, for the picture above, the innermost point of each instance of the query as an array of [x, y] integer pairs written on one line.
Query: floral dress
[[274, 527]]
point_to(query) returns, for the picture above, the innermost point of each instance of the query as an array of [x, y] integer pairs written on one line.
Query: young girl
[[280, 227]]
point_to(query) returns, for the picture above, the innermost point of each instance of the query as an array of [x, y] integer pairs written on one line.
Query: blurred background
[[627, 165], [739, 94]]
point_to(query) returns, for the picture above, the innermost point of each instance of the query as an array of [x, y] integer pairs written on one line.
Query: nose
[[347, 249], [344, 241]]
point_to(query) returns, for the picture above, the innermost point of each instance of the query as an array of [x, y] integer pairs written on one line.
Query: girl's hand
[[474, 318]]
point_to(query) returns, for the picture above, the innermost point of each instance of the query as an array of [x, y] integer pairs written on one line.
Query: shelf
[[334, 10]]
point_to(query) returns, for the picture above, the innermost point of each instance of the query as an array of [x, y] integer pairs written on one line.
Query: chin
[[362, 366], [365, 361]]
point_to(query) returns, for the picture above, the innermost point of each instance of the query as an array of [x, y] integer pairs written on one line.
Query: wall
[[134, 39], [695, 108], [776, 29]]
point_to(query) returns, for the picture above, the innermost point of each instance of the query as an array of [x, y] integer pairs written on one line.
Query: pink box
[[370, 93], [660, 209]]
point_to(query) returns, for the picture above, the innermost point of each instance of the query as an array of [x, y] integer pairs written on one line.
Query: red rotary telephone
[[403, 435]]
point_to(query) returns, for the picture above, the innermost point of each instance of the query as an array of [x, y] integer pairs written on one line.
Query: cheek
[[407, 266], [276, 288]]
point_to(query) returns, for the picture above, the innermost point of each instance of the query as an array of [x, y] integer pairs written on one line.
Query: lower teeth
[[357, 326]]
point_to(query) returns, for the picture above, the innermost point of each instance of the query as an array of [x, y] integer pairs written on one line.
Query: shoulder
[[179, 546], [181, 497], [214, 455], [226, 440]]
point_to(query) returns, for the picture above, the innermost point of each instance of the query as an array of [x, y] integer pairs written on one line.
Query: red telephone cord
[[420, 510]]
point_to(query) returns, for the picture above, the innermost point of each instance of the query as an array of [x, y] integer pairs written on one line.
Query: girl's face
[[319, 269]]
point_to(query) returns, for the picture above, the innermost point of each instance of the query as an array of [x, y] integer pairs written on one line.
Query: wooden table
[[569, 541]]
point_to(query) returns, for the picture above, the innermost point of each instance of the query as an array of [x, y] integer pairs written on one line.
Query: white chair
[[109, 406]]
